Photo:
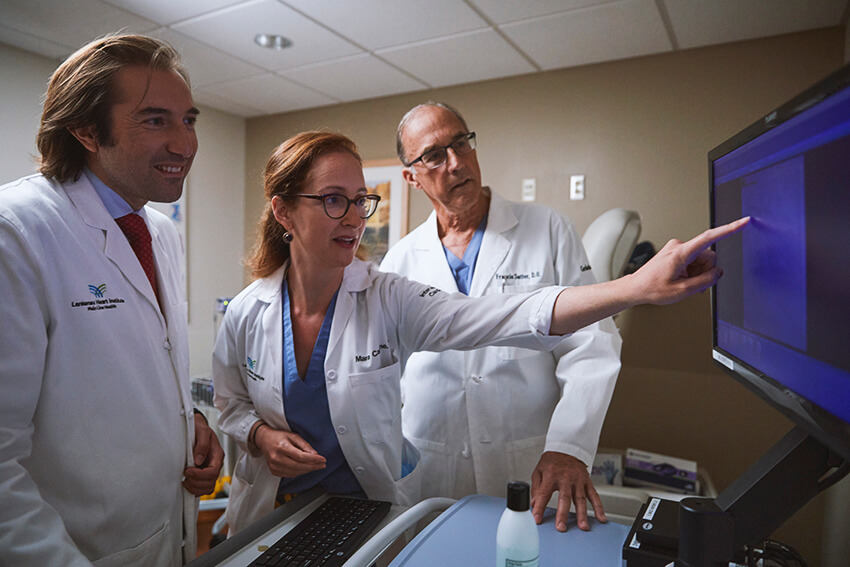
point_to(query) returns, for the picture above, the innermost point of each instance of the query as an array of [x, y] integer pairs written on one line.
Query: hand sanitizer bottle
[[517, 541]]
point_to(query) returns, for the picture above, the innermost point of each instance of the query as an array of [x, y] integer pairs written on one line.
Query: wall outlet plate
[[576, 187], [529, 190]]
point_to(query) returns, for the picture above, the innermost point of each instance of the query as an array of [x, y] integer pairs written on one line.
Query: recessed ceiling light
[[272, 41]]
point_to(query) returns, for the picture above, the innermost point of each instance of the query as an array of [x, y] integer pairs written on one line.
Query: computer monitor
[[781, 311]]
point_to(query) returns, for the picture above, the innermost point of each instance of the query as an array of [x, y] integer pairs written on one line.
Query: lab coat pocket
[[252, 492], [241, 489], [247, 468], [516, 353], [153, 551], [180, 309], [435, 468], [377, 404], [409, 487], [525, 288]]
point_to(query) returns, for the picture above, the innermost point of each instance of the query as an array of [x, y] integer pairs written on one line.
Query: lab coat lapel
[[494, 246], [116, 247], [270, 292], [430, 250], [168, 282], [355, 279]]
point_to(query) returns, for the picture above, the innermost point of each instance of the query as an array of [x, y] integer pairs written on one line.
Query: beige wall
[[214, 194], [20, 109], [847, 43], [215, 199], [639, 130]]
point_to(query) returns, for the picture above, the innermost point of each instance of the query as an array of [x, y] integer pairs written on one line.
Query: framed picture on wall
[[389, 223]]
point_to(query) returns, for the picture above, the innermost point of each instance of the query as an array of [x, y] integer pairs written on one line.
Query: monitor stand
[[713, 532]]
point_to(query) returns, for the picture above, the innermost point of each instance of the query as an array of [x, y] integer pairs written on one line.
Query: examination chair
[[609, 242]]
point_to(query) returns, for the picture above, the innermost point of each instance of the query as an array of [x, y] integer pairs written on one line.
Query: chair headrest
[[609, 242]]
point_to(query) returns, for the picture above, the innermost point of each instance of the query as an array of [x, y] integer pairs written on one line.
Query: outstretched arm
[[679, 270]]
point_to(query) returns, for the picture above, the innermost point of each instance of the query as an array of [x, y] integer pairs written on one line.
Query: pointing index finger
[[712, 235]]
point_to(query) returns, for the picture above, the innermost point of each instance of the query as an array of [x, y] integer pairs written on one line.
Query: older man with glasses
[[481, 418]]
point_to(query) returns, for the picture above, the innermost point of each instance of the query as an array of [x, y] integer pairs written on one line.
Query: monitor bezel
[[824, 425]]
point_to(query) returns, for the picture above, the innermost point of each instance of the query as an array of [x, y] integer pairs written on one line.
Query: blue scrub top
[[305, 404], [463, 269]]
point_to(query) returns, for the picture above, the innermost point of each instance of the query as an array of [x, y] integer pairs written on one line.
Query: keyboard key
[[328, 536]]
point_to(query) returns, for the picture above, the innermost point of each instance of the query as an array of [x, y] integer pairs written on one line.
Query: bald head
[[400, 149]]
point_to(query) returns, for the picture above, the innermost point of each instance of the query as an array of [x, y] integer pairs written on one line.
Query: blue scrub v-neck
[[305, 404], [463, 269]]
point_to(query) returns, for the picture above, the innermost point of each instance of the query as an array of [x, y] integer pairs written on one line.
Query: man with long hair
[[101, 453]]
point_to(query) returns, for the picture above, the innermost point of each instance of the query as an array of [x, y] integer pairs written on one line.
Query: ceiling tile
[[375, 24], [464, 58], [698, 23], [501, 12], [269, 93], [166, 12], [414, 44], [72, 24], [233, 30], [608, 32], [354, 78], [206, 98], [33, 44], [206, 65]]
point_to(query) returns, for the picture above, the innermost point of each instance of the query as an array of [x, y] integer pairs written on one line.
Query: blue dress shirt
[[114, 203]]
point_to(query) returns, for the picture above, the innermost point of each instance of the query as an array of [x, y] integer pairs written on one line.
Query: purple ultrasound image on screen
[[775, 253]]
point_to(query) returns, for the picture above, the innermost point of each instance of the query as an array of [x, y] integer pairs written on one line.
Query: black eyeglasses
[[436, 157], [336, 205]]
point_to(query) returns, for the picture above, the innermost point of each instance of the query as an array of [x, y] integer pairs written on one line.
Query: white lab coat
[[380, 319], [475, 429], [96, 416]]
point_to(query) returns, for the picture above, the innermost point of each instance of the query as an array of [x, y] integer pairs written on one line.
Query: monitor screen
[[781, 310]]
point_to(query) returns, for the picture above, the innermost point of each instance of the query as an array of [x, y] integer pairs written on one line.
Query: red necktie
[[136, 231]]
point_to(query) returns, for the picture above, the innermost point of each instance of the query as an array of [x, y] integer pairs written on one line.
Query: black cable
[[786, 551], [774, 554]]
